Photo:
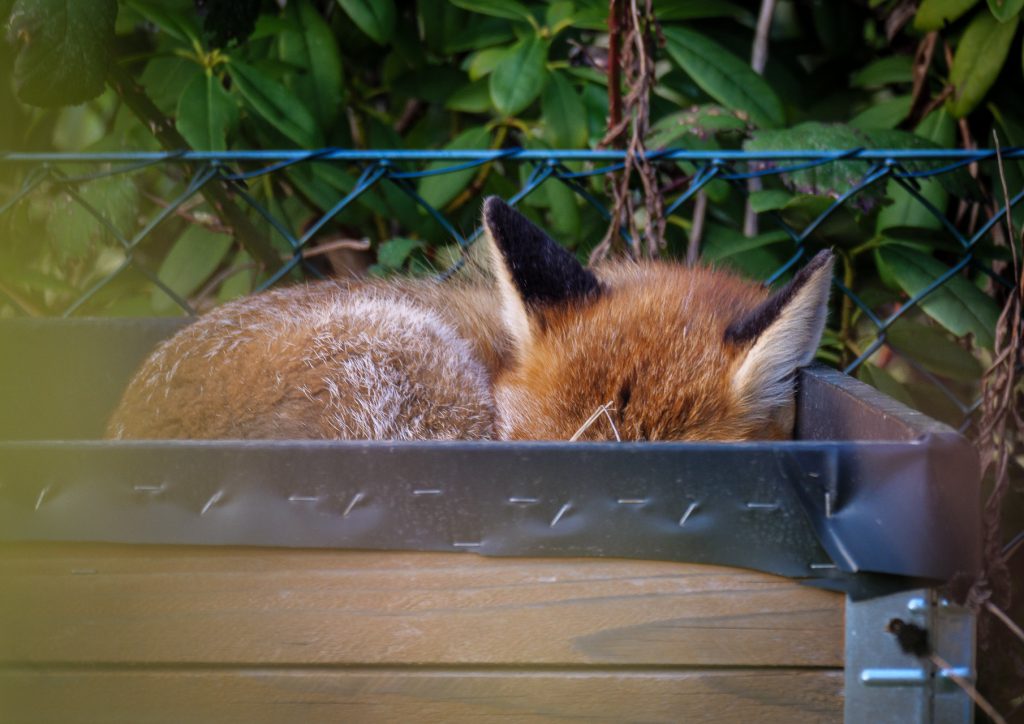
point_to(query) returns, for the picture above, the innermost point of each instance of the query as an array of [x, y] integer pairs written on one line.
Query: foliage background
[[130, 75], [470, 74]]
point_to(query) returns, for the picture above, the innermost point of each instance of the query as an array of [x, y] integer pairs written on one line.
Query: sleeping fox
[[546, 349]]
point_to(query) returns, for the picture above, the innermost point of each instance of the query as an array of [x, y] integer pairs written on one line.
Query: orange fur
[[401, 360], [651, 345], [668, 352]]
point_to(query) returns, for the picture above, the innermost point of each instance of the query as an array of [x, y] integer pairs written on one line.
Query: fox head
[[645, 350]]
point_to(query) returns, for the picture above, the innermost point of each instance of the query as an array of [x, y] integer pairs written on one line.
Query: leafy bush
[[473, 74], [220, 75]]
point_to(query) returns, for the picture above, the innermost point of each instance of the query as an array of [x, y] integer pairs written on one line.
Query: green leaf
[[194, 257], [936, 14], [75, 233], [564, 115], [884, 382], [934, 350], [835, 178], [565, 210], [1003, 10], [769, 200], [276, 105], [35, 281], [508, 9], [165, 79], [921, 240], [724, 77], [241, 282], [63, 49], [229, 21], [591, 15], [559, 14], [668, 10], [722, 246], [472, 98], [699, 122], [79, 127], [429, 83], [180, 25], [842, 226], [891, 69], [829, 180], [958, 305], [439, 190], [905, 209], [483, 62], [308, 43], [479, 32], [393, 253], [519, 76], [978, 59], [595, 100], [439, 23], [206, 113], [883, 114], [376, 18], [324, 184]]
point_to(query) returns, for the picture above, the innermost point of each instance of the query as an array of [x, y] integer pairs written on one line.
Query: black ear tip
[[496, 209], [819, 262], [823, 258]]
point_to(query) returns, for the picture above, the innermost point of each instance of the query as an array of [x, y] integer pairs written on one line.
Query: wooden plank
[[171, 605], [449, 696]]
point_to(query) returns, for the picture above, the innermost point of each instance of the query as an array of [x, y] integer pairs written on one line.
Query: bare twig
[[17, 299], [413, 111], [998, 430], [898, 17], [615, 13], [637, 66], [968, 688], [200, 298], [968, 143], [998, 613], [184, 211], [328, 246], [919, 103], [758, 61], [936, 101], [759, 51], [1006, 199]]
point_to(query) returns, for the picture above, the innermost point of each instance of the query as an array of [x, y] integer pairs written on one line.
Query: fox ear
[[532, 270], [783, 332]]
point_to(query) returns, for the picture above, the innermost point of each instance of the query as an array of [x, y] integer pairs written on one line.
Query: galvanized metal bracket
[[884, 683]]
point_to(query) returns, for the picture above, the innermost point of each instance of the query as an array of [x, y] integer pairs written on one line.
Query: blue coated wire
[[906, 167], [396, 155]]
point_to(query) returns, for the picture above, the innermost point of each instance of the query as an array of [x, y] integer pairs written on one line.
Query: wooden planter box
[[246, 581]]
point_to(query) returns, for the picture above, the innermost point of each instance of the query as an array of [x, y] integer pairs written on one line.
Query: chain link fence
[[924, 238], [83, 230]]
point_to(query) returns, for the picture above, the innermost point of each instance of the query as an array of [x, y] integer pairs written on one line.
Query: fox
[[540, 347]]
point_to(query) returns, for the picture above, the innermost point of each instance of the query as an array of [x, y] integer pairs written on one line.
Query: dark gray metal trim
[[762, 506], [869, 488]]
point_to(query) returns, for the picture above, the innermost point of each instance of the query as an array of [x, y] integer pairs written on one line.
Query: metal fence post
[[886, 684]]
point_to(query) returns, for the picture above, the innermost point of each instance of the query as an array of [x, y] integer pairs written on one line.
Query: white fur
[[513, 311], [764, 380]]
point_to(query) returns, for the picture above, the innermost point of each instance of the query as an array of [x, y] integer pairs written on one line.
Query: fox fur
[[531, 351]]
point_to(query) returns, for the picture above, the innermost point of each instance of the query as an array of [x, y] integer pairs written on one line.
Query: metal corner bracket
[[886, 684]]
